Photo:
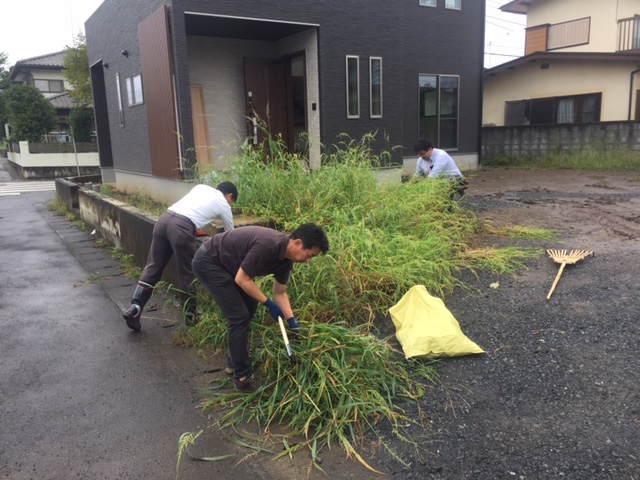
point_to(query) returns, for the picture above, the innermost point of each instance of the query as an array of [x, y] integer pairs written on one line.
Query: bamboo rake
[[561, 256]]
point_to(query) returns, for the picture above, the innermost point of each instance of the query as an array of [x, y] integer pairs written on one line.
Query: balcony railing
[[629, 34]]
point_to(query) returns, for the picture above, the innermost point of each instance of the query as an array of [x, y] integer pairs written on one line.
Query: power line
[[502, 55], [508, 21]]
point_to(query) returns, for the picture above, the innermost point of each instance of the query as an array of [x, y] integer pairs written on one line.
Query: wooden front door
[[265, 93]]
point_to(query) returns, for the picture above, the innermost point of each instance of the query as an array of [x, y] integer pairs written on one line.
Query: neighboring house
[[178, 83], [45, 74], [581, 65]]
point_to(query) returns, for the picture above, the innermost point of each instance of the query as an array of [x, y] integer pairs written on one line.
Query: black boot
[[141, 296]]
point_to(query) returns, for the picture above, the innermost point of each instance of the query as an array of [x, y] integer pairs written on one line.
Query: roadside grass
[[127, 264], [592, 158], [58, 207]]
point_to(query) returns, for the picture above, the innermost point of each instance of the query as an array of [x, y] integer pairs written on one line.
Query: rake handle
[[555, 282]]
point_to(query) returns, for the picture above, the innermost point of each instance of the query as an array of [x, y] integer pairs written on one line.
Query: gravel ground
[[557, 393]]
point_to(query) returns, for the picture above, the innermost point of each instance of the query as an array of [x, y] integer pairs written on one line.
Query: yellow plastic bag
[[426, 328]]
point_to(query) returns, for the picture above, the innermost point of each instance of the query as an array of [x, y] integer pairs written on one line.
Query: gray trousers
[[173, 235], [238, 307]]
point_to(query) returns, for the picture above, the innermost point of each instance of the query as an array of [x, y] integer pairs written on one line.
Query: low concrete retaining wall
[[126, 227]]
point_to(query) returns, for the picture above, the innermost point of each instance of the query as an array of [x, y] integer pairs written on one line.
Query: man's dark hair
[[228, 187], [423, 144], [312, 235]]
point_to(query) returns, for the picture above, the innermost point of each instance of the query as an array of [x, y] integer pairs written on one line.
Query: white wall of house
[[217, 65], [529, 81], [48, 75], [604, 16]]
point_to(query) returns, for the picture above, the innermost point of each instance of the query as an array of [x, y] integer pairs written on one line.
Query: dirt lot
[[557, 393]]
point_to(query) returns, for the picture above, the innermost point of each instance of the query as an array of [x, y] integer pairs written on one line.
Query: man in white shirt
[[174, 234], [436, 163]]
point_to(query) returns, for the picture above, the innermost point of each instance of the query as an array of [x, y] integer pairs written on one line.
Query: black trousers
[[238, 307], [173, 235]]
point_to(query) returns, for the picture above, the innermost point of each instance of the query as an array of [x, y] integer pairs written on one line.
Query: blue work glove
[[274, 310]]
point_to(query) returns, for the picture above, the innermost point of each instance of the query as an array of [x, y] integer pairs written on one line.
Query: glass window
[[353, 87], [453, 4], [49, 86], [428, 3], [547, 111], [438, 111], [134, 90], [375, 82]]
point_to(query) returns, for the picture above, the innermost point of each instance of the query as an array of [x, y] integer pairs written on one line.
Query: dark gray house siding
[[410, 39]]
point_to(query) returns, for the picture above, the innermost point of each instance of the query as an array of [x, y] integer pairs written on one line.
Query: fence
[[534, 141]]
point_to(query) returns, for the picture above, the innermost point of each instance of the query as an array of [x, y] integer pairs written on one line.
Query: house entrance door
[[274, 92]]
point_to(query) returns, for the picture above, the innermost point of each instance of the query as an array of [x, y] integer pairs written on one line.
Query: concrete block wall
[[533, 141]]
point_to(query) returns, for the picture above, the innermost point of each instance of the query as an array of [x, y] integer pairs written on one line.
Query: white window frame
[[357, 86], [60, 83], [371, 93], [453, 4], [428, 3], [135, 95]]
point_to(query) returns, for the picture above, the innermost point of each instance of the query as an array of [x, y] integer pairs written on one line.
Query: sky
[[31, 28]]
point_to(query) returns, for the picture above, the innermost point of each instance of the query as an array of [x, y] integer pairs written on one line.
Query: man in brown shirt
[[226, 265]]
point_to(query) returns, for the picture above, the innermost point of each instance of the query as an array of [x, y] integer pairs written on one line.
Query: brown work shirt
[[258, 251]]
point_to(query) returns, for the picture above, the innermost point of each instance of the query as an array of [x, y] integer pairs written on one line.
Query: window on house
[[353, 87], [557, 110], [49, 86], [438, 105], [453, 4], [119, 92], [428, 3], [134, 90], [568, 34], [375, 85]]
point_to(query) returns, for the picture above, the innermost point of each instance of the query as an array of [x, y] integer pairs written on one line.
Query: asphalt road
[[82, 396]]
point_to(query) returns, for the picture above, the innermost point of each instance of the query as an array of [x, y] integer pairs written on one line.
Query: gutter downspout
[[631, 91]]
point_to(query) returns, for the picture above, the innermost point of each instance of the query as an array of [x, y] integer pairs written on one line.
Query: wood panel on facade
[[536, 40], [157, 78]]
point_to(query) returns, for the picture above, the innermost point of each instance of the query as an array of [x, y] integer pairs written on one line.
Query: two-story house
[[581, 65], [181, 83], [44, 73]]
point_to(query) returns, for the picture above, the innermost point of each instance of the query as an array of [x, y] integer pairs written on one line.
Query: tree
[[5, 72], [5, 75], [76, 71], [30, 115], [81, 120]]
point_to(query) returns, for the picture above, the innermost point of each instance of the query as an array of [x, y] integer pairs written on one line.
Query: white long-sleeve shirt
[[204, 204], [439, 165]]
